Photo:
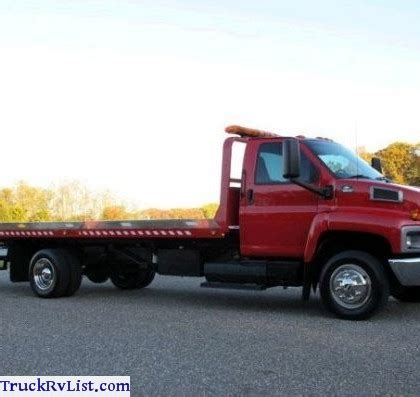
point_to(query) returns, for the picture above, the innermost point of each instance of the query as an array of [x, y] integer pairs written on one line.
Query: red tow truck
[[305, 213]]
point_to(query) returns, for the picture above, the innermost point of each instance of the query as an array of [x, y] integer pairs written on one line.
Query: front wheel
[[353, 285]]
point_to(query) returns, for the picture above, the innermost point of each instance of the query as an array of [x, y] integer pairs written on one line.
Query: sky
[[133, 96]]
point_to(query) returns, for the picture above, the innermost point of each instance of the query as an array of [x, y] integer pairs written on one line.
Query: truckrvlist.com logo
[[115, 385]]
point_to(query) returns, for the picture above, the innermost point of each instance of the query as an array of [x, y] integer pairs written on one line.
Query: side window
[[270, 166]]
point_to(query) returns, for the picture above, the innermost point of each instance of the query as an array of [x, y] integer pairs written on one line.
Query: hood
[[372, 195]]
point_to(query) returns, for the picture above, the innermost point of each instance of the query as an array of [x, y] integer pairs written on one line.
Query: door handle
[[243, 183], [250, 196]]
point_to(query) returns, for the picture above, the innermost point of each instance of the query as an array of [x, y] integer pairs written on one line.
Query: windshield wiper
[[383, 178]]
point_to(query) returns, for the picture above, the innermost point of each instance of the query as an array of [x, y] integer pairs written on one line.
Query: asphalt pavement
[[175, 338]]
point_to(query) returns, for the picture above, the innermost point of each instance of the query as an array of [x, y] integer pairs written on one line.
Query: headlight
[[411, 239]]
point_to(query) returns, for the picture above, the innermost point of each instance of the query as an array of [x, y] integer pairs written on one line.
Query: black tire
[[368, 292], [49, 273], [97, 275], [406, 294], [75, 278], [131, 278]]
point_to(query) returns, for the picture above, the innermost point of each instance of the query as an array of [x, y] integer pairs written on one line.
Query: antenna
[[357, 146]]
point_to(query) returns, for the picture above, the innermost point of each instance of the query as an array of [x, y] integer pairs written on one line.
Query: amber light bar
[[245, 132]]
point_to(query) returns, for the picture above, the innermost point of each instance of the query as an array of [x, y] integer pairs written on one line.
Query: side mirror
[[291, 159], [376, 163]]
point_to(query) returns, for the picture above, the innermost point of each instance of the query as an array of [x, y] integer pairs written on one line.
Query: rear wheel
[[407, 294], [97, 275], [75, 279], [353, 285], [54, 273], [128, 278]]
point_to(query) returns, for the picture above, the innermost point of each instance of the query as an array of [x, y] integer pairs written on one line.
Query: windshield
[[341, 161]]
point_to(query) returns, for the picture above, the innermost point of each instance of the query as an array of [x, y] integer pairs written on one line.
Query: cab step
[[249, 287], [260, 273]]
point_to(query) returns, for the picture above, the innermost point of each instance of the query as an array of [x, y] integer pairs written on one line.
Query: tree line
[[72, 201]]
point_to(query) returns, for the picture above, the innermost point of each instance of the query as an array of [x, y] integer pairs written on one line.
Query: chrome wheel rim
[[350, 286], [44, 274]]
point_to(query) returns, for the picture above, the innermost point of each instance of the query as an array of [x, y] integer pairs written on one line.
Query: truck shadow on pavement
[[190, 296]]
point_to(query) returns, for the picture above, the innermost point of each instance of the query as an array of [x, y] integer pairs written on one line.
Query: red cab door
[[275, 215]]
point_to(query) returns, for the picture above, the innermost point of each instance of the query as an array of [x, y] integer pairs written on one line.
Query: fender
[[385, 226], [318, 227]]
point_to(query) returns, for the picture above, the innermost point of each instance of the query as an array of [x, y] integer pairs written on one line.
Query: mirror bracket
[[325, 192]]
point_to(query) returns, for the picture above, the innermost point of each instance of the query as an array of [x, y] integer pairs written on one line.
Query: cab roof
[[246, 132]]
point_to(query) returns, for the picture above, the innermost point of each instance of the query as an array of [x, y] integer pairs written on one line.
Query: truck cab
[[352, 232]]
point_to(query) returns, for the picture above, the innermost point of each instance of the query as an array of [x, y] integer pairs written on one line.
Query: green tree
[[115, 212], [32, 202], [209, 210], [397, 158], [413, 173], [24, 203]]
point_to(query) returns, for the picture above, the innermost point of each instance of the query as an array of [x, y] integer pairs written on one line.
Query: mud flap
[[307, 282], [3, 257], [19, 257]]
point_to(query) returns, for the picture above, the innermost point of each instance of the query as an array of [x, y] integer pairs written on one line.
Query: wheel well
[[335, 242]]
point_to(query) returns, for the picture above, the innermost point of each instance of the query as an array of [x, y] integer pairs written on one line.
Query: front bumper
[[407, 270]]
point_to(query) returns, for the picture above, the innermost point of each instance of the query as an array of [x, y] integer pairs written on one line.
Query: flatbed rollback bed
[[297, 217]]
